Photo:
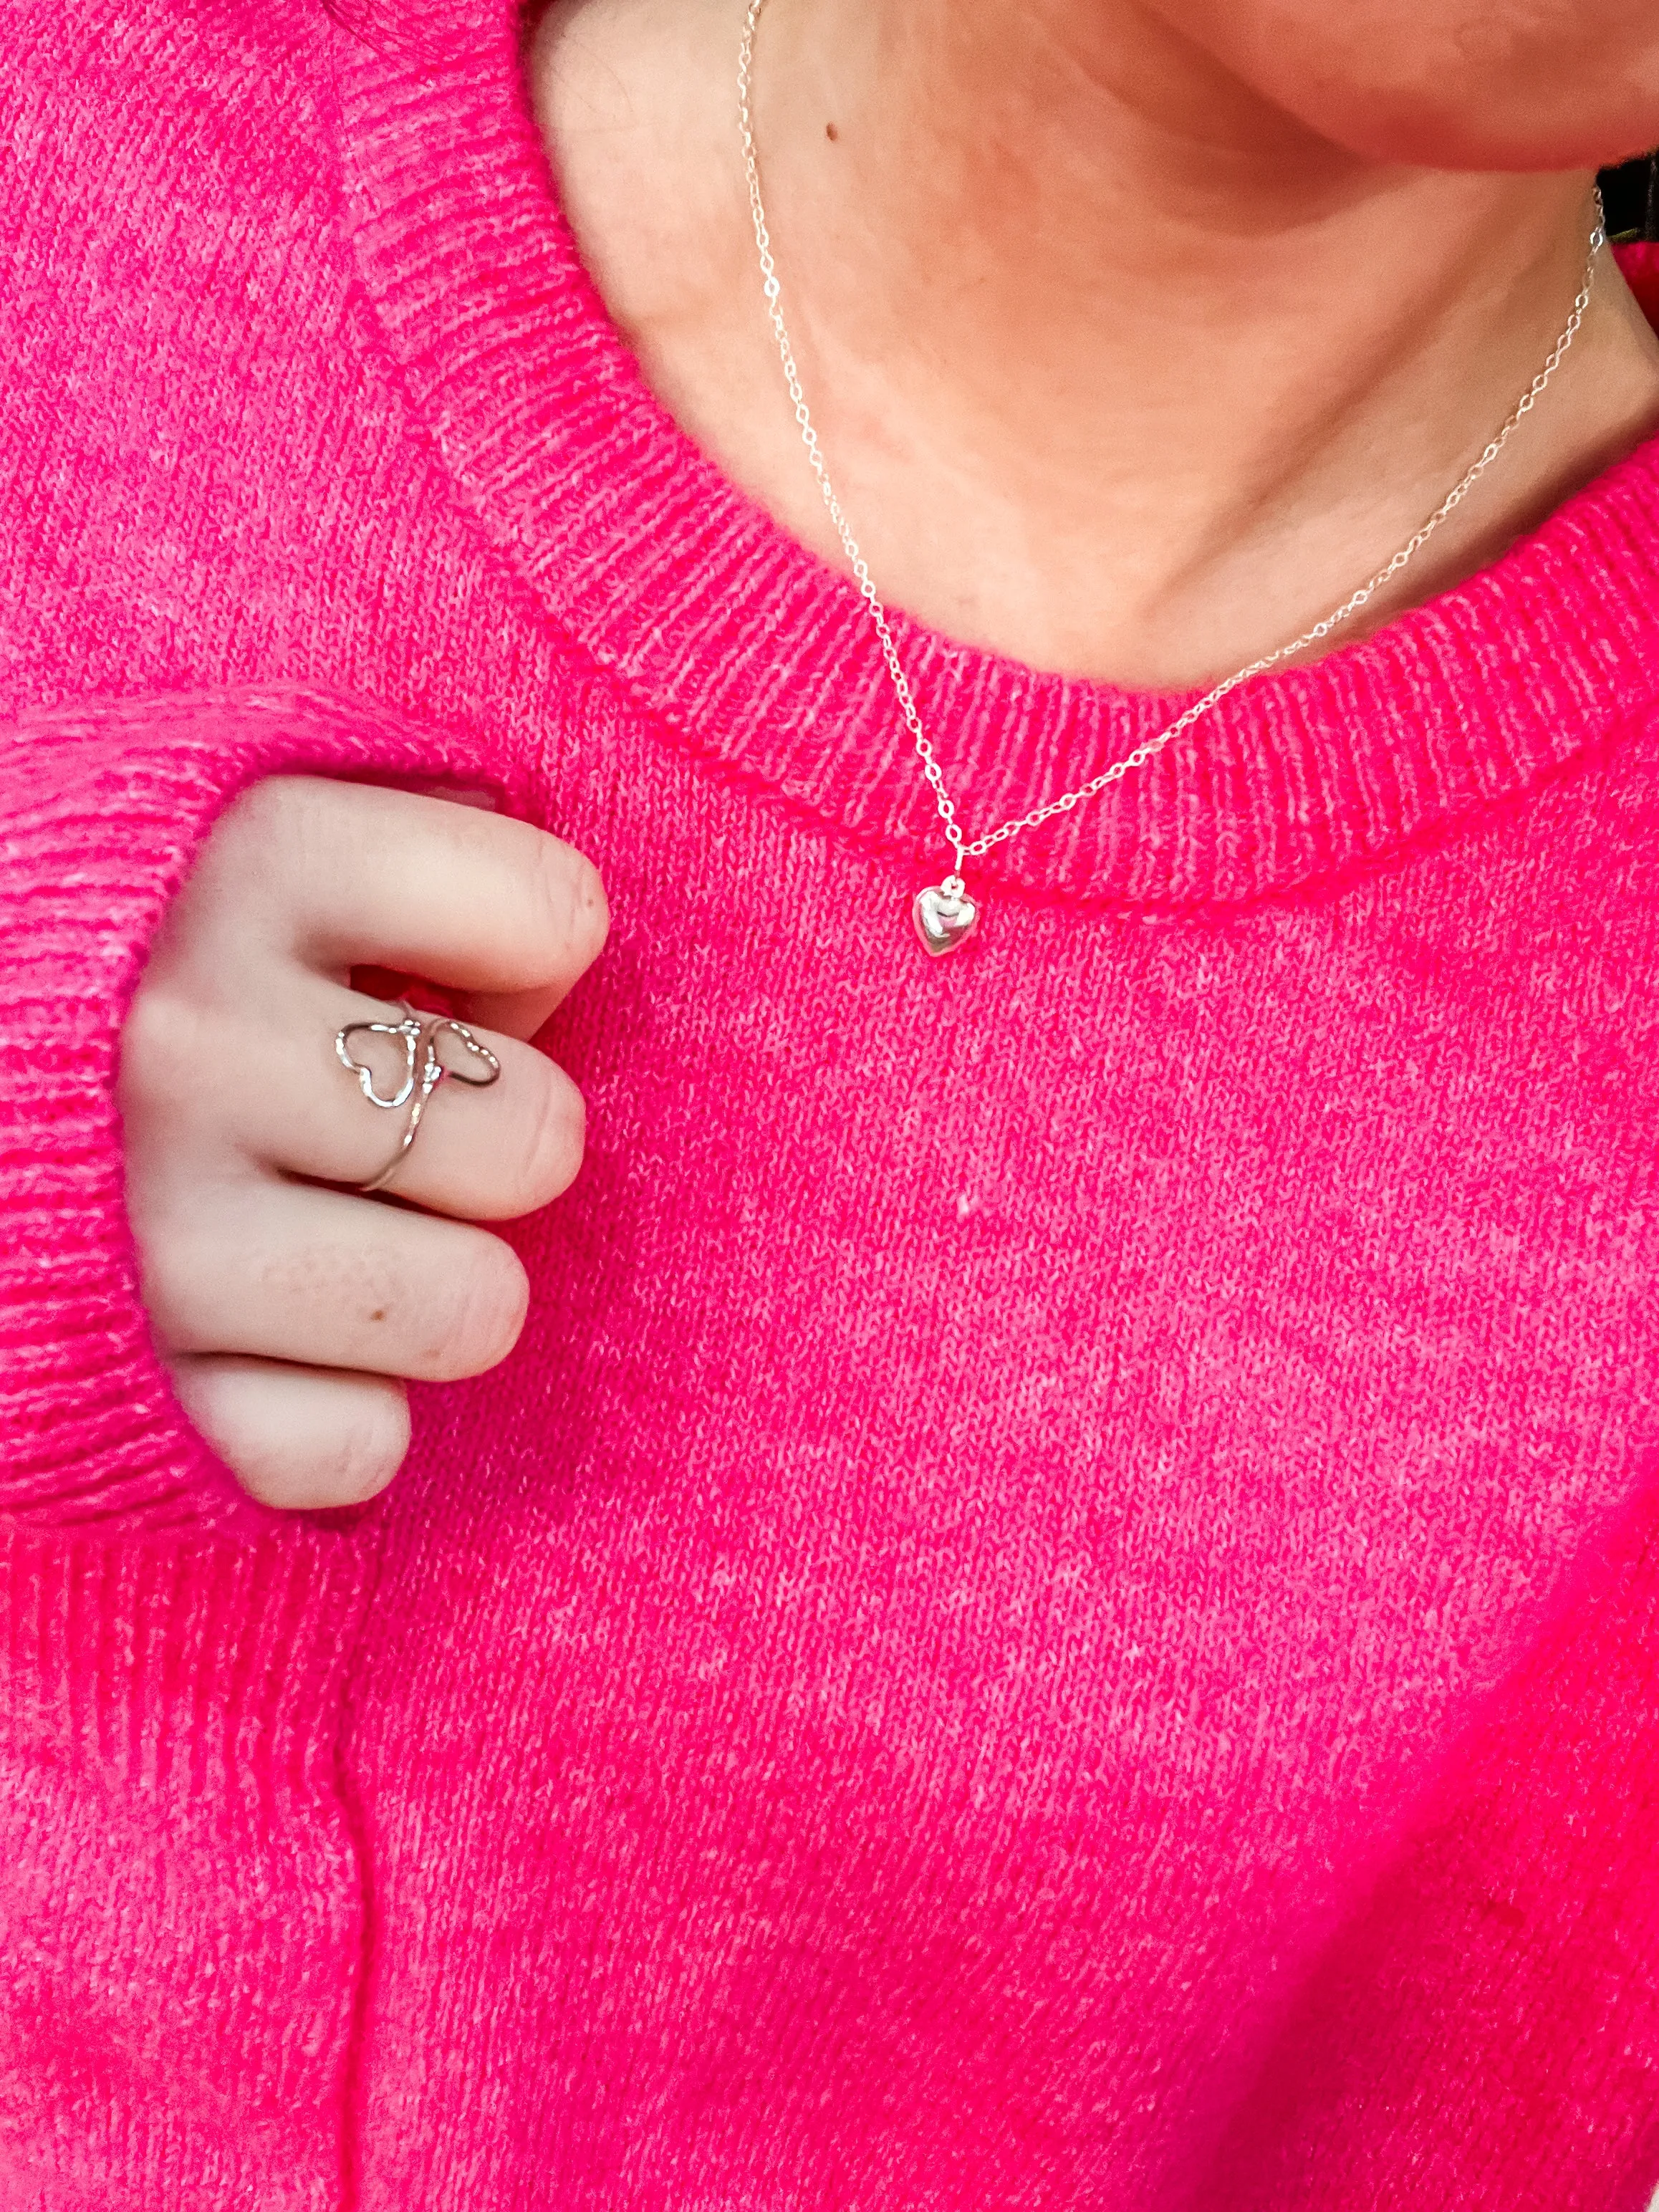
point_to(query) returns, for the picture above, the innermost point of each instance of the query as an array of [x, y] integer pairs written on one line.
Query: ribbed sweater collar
[[756, 653]]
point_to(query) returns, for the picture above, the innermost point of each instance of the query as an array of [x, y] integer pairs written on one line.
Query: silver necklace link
[[950, 894]]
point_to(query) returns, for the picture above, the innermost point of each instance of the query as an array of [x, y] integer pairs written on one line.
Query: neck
[[1118, 368]]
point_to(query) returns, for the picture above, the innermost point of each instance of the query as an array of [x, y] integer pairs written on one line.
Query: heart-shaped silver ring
[[479, 1068], [408, 1031], [423, 1070]]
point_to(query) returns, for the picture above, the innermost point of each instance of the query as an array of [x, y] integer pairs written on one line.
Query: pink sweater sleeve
[[103, 807]]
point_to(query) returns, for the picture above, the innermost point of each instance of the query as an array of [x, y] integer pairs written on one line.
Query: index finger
[[481, 902]]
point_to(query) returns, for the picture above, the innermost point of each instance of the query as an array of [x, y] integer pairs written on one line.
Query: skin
[[290, 1313], [1137, 334], [1124, 366]]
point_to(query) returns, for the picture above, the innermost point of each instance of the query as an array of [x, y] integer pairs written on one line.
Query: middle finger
[[483, 1154]]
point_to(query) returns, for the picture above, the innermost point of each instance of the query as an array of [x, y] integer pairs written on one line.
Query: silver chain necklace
[[944, 915]]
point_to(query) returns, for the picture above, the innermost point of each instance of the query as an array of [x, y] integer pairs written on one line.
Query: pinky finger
[[298, 1438]]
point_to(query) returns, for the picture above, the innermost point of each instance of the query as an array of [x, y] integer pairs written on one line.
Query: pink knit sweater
[[1059, 1607]]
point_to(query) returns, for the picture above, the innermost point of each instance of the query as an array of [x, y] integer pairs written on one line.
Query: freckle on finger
[[288, 1271]]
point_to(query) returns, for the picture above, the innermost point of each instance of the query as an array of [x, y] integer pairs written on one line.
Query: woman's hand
[[288, 1312]]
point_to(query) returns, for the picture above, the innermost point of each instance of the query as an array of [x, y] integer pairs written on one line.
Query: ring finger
[[320, 1279]]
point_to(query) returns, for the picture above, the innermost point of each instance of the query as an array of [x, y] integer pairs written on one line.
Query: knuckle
[[197, 1297], [170, 1278], [489, 1297], [273, 812], [164, 1039]]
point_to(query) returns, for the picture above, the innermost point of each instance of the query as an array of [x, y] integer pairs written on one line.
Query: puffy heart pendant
[[945, 917]]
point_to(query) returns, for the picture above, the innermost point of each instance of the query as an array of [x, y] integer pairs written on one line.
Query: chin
[[1452, 84], [1480, 129]]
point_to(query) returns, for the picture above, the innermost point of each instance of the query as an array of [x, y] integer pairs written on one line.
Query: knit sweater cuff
[[103, 807]]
